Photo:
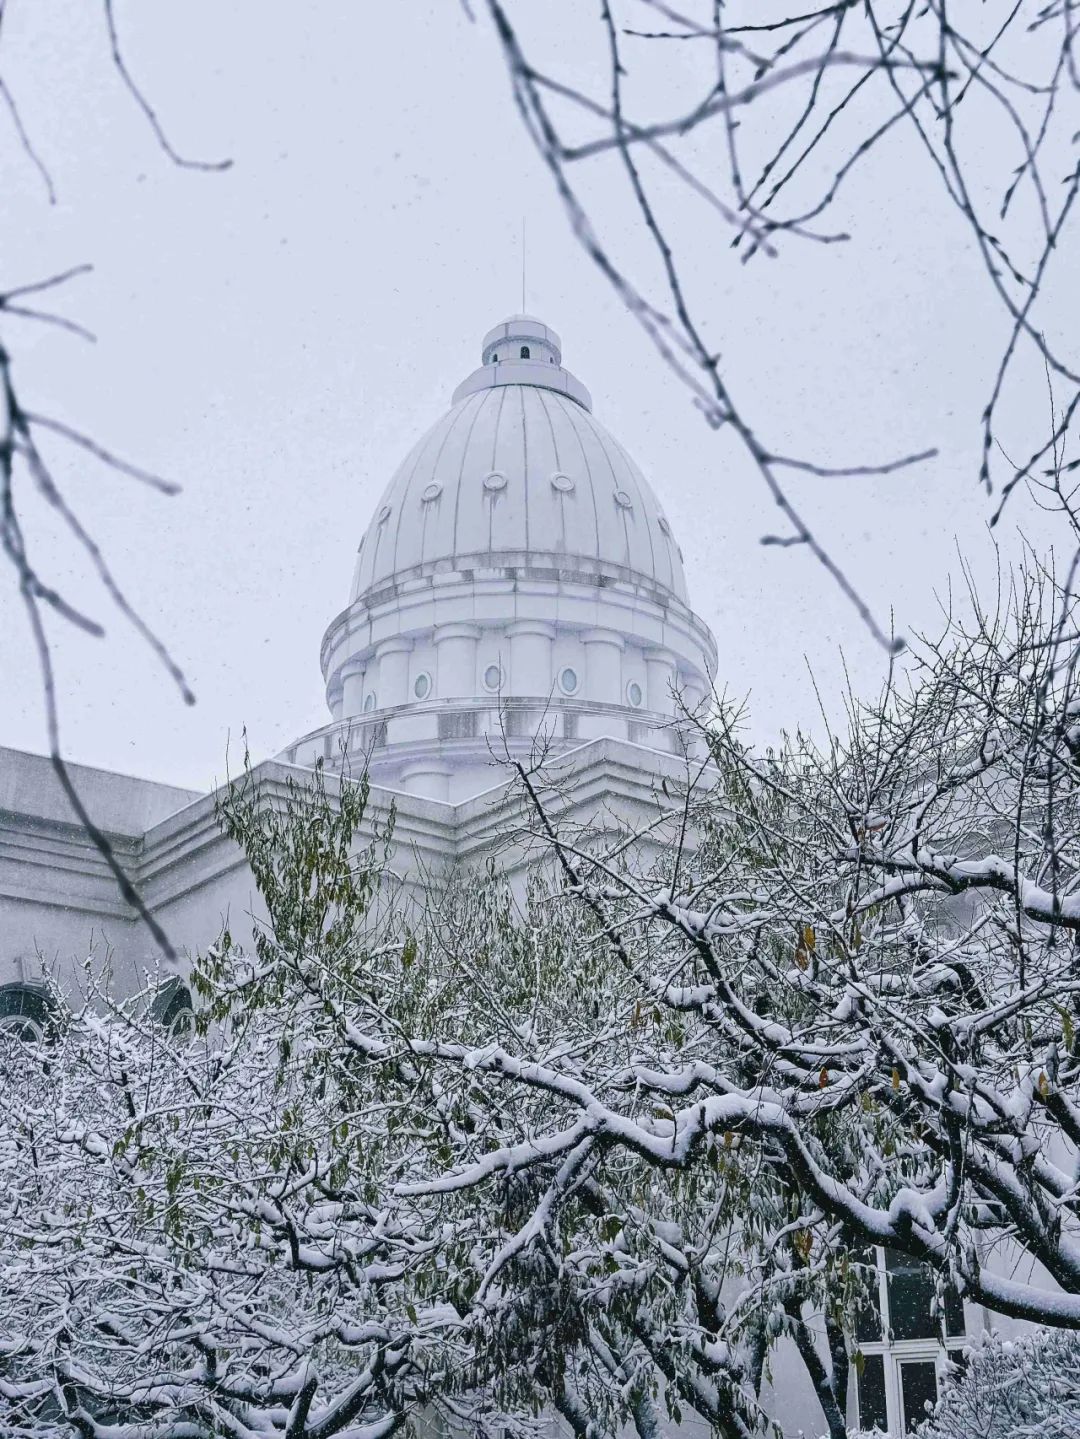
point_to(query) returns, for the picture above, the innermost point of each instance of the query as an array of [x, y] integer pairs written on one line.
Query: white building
[[518, 583], [518, 579]]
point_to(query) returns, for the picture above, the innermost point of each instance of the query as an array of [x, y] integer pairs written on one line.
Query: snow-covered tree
[[611, 1149], [871, 949], [195, 1239], [299, 1220], [1013, 1388]]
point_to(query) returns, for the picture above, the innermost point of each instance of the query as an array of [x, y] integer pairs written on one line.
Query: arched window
[[27, 1011], [524, 352], [172, 1008], [495, 358]]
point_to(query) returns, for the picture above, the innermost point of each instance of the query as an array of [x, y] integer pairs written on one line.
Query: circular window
[[563, 483], [422, 686], [623, 500], [665, 528], [384, 514], [493, 677], [633, 694], [369, 702], [568, 681], [431, 492], [494, 482]]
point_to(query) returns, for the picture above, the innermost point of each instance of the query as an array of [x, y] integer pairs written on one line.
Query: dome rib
[[568, 415]]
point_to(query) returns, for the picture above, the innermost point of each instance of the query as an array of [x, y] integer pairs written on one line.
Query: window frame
[[895, 1353]]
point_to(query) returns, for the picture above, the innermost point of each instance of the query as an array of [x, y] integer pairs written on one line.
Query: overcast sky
[[276, 337]]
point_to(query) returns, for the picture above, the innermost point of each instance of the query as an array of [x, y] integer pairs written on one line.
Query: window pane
[[868, 1312], [954, 1312], [918, 1385], [868, 1317], [872, 1412], [911, 1293]]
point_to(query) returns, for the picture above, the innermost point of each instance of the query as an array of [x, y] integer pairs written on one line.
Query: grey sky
[[276, 337]]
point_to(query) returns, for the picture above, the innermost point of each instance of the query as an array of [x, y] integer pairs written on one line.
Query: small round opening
[[493, 677], [623, 500], [422, 686], [568, 681], [633, 694], [494, 482]]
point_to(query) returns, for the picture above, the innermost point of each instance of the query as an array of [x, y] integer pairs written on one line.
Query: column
[[455, 646], [393, 660], [603, 666], [530, 657], [659, 677], [352, 688], [692, 693]]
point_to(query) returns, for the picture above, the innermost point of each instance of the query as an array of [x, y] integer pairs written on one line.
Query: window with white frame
[[28, 1011], [906, 1336]]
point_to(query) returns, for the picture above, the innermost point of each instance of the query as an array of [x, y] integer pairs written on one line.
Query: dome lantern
[[523, 351], [521, 337]]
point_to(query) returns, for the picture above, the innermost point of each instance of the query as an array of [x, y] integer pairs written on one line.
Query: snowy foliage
[[873, 946], [599, 1150], [1021, 1388], [303, 1223]]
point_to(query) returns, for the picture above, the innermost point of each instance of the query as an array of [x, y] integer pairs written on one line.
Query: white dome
[[519, 474], [517, 584]]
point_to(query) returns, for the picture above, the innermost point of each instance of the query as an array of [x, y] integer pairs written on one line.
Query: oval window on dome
[[384, 514], [563, 483], [494, 482], [422, 686], [634, 694], [568, 680], [623, 500], [493, 678], [665, 528], [369, 701], [431, 492]]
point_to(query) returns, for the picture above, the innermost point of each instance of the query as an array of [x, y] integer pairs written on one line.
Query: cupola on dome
[[519, 474]]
